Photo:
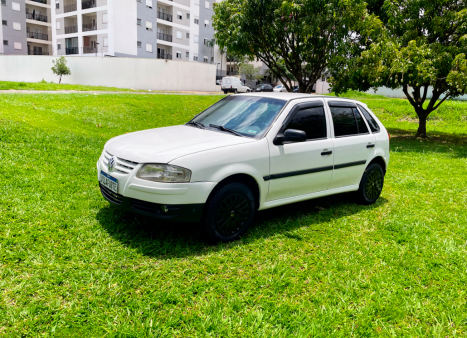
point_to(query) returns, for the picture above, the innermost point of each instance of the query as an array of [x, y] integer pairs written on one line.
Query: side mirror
[[290, 135]]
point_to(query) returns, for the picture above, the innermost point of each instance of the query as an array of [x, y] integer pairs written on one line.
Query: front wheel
[[235, 91], [229, 213], [371, 185], [225, 91]]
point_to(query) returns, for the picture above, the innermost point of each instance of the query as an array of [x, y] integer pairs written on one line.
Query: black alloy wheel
[[371, 184], [229, 213]]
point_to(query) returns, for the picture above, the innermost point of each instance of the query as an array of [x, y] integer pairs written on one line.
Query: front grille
[[122, 166], [110, 195]]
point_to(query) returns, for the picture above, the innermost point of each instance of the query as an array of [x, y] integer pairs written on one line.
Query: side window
[[362, 128], [344, 121], [310, 120], [371, 121]]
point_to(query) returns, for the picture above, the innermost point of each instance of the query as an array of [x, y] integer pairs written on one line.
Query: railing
[[39, 36], [232, 72], [40, 1], [37, 53], [88, 4], [89, 50], [89, 27], [71, 50], [165, 37], [164, 16], [71, 29], [164, 56], [36, 17], [70, 8]]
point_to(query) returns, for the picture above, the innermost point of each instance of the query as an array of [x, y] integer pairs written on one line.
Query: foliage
[[423, 48], [72, 266], [250, 72], [297, 39], [60, 68]]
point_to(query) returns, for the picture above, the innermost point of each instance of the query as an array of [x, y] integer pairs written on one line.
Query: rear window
[[371, 121], [344, 121], [226, 81]]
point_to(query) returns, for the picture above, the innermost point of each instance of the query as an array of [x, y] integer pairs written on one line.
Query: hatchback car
[[246, 153], [265, 87], [280, 89]]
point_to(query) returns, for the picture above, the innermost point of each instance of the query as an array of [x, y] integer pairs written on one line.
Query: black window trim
[[363, 118], [295, 110], [361, 113]]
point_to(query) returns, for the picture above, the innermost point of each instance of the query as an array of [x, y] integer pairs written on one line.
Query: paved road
[[12, 91]]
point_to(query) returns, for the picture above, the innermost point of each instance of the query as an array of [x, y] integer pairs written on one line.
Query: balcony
[[87, 27], [41, 1], [164, 56], [165, 37], [71, 50], [164, 16], [37, 17], [37, 53], [39, 36], [88, 4], [89, 50], [71, 29], [70, 8]]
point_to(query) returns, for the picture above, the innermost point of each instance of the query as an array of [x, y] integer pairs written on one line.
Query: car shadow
[[153, 238]]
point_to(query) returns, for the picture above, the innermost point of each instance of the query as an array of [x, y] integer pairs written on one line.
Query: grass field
[[70, 266], [8, 85]]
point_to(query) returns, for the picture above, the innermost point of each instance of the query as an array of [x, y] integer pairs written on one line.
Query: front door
[[354, 146], [303, 167]]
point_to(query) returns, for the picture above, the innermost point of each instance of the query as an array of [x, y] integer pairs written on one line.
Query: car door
[[354, 145], [303, 167]]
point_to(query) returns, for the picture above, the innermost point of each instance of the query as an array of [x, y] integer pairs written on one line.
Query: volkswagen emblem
[[111, 163]]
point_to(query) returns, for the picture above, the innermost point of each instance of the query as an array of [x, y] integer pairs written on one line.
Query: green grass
[[71, 266], [8, 85]]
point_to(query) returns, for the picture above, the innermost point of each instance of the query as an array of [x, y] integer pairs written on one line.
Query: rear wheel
[[225, 91], [235, 91], [371, 185], [229, 213]]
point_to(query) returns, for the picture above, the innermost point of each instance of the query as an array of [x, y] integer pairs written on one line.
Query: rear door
[[354, 145]]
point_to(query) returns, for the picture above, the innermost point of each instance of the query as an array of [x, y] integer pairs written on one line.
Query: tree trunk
[[421, 132], [60, 80]]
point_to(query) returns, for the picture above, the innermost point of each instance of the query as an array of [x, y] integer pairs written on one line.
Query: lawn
[[8, 85], [71, 266]]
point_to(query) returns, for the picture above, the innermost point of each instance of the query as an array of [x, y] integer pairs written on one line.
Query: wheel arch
[[379, 160]]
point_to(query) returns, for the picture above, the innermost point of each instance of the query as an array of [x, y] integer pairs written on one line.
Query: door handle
[[370, 146], [326, 153]]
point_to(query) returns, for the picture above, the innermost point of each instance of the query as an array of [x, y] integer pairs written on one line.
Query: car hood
[[162, 145]]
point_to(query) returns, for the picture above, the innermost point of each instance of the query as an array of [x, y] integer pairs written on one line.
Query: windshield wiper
[[225, 129], [197, 124]]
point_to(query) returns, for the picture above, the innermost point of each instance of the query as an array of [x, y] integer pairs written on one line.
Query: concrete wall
[[134, 73], [122, 27], [9, 33], [146, 14]]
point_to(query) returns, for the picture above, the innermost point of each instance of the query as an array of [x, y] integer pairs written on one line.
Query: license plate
[[109, 182]]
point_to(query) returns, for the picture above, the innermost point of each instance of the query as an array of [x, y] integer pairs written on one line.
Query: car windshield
[[247, 115]]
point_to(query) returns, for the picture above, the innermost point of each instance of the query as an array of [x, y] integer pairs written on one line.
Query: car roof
[[295, 96]]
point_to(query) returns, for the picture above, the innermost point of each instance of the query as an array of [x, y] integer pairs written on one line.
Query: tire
[[225, 91], [371, 185], [229, 213], [235, 91]]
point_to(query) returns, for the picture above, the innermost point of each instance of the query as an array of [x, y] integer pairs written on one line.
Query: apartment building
[[26, 27]]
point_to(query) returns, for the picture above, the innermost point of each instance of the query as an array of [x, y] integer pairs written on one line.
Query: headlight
[[164, 173]]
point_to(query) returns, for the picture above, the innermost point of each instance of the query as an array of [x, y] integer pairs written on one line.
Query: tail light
[[389, 136]]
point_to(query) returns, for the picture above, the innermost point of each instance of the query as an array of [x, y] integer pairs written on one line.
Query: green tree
[[60, 68], [423, 48], [250, 72], [296, 39]]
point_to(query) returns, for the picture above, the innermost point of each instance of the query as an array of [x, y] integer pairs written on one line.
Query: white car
[[246, 153], [280, 89], [232, 84]]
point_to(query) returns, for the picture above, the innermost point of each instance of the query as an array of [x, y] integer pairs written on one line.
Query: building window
[[179, 15], [106, 42], [196, 21], [212, 58], [179, 35], [149, 3], [196, 38], [18, 45], [58, 25], [187, 35], [206, 59], [4, 2], [206, 4], [5, 42], [16, 26], [195, 57], [59, 46], [179, 55], [206, 23], [323, 79], [104, 17], [139, 0], [138, 21], [57, 4], [149, 47], [4, 23], [148, 25], [138, 44], [206, 42], [15, 6], [187, 54], [187, 15]]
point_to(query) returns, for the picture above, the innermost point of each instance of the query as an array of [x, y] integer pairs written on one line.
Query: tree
[[60, 68], [250, 72], [297, 37], [423, 49]]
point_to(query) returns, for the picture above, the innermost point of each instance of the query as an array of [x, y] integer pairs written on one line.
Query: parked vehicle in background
[[219, 82], [232, 84], [295, 89], [265, 87], [280, 89], [245, 153]]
